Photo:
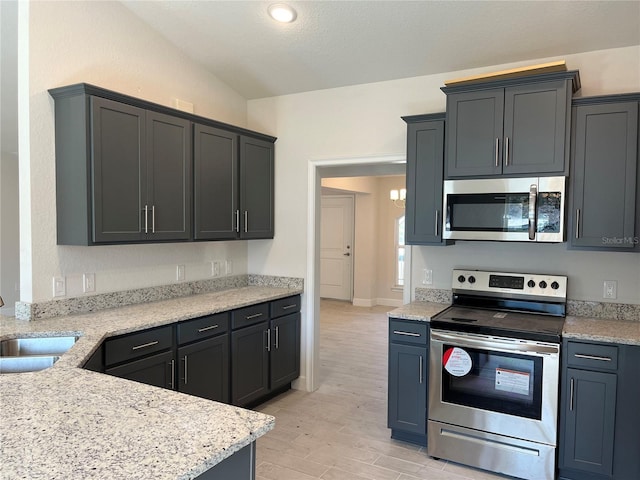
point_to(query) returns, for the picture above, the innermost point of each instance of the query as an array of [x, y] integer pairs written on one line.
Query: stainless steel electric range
[[494, 373]]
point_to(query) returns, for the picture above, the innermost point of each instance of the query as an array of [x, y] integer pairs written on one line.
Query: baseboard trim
[[372, 302]]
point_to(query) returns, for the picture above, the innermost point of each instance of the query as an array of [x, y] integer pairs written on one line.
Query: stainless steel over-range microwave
[[505, 209]]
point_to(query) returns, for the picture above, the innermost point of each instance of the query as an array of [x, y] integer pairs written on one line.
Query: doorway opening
[[381, 166]]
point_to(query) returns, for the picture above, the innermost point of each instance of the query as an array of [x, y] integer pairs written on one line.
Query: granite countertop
[[583, 328], [602, 330], [419, 311], [66, 422]]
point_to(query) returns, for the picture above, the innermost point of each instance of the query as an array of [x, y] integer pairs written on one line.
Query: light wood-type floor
[[339, 432]]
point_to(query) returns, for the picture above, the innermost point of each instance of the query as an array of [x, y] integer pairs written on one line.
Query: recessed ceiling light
[[282, 12]]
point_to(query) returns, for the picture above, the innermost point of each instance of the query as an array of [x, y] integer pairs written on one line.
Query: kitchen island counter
[[67, 422]]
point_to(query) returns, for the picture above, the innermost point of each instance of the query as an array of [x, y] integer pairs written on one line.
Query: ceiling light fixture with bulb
[[282, 12]]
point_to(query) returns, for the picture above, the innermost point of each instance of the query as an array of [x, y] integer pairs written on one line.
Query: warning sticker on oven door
[[512, 381], [456, 361]]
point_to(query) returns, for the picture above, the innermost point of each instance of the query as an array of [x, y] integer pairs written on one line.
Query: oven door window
[[497, 381], [489, 212]]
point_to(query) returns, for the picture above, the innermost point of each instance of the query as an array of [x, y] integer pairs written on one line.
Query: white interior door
[[336, 247]]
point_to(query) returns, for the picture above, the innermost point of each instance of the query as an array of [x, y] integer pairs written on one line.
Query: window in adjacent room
[[399, 251]]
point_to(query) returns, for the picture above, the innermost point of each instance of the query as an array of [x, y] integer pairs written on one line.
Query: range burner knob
[[531, 284], [461, 279], [472, 279], [543, 284], [555, 285]]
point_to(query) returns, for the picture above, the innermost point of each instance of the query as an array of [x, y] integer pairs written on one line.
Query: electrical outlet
[[228, 267], [427, 278], [180, 273], [610, 289], [88, 282], [59, 286], [215, 269]]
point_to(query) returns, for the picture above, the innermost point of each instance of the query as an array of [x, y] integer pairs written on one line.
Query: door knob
[[347, 254]]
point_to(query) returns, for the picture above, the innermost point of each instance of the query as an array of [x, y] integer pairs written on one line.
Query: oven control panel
[[526, 284]]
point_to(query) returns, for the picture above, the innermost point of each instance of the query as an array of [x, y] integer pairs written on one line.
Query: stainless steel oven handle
[[485, 342], [533, 198]]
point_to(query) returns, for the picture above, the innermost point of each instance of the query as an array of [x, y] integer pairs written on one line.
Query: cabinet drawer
[[136, 345], [203, 327], [244, 317], [408, 331], [589, 355], [285, 306]]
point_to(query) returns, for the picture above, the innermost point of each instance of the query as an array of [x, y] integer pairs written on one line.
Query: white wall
[[364, 120], [104, 44]]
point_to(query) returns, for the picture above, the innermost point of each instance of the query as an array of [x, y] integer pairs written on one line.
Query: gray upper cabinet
[[215, 162], [256, 188], [425, 157], [168, 199], [131, 171], [118, 167], [512, 127], [604, 181]]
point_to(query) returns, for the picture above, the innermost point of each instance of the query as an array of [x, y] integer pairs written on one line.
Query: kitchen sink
[[32, 354]]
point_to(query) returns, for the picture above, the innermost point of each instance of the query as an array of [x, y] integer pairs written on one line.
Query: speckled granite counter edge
[[92, 303]]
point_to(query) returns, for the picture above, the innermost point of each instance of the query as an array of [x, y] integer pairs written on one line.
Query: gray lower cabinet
[[239, 466], [249, 364], [425, 170], [156, 370], [203, 357], [240, 357], [510, 127], [605, 177], [407, 381], [265, 350], [599, 418]]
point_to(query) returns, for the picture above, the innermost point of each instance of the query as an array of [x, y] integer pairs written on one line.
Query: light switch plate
[[88, 282], [180, 273], [59, 286]]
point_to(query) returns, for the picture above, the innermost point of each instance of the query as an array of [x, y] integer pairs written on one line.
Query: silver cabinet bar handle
[[246, 221], [237, 220], [592, 357], [289, 306], [277, 338], [146, 219], [173, 374], [211, 327], [408, 334], [437, 216], [497, 146], [577, 223], [256, 315], [421, 360], [571, 395], [268, 332], [153, 219], [184, 359], [506, 152], [145, 345]]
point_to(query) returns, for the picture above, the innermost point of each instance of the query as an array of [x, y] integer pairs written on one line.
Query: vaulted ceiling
[[338, 43]]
